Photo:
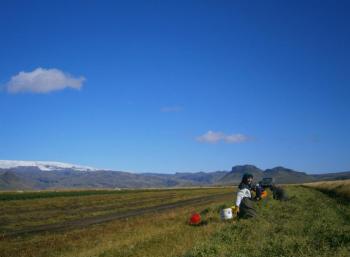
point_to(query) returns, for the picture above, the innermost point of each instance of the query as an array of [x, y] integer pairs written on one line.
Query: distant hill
[[35, 178], [280, 174], [10, 181], [68, 178], [332, 176], [203, 178], [236, 173], [287, 176], [23, 175]]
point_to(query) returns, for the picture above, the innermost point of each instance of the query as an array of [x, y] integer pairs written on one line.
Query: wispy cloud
[[215, 137], [171, 109], [42, 81]]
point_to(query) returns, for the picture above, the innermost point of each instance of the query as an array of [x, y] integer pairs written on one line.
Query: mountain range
[[39, 175]]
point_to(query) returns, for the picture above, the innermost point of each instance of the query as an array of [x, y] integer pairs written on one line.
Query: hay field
[[312, 223], [337, 188]]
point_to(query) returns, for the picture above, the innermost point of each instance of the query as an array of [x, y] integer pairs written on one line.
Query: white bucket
[[226, 214]]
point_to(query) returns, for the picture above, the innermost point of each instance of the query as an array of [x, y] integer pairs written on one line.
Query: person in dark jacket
[[244, 202]]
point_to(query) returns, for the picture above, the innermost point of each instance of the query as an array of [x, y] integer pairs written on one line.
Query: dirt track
[[81, 223]]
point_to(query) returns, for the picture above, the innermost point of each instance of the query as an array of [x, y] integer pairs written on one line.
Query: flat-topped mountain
[[236, 173], [280, 174]]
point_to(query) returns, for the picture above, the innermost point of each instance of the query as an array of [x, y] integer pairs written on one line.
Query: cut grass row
[[340, 188], [311, 224], [19, 214], [154, 234], [29, 195], [20, 195]]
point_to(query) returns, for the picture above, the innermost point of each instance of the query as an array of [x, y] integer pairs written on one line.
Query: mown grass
[[336, 188], [17, 214], [157, 234], [29, 195], [311, 224], [11, 196]]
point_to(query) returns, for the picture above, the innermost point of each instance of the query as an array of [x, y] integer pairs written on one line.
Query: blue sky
[[174, 86]]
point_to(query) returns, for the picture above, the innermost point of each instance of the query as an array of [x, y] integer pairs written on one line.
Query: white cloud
[[43, 80], [171, 109], [215, 137], [236, 138]]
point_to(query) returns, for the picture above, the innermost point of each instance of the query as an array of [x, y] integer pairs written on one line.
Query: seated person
[[244, 202]]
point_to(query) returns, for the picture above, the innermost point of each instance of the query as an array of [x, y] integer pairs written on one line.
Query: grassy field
[[136, 236], [310, 224], [334, 188], [43, 209]]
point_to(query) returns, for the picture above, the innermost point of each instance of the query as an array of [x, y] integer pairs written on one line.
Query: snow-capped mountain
[[44, 165]]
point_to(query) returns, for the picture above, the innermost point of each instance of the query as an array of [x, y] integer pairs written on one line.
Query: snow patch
[[44, 165]]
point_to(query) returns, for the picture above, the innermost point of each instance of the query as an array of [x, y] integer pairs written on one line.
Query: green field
[[338, 188], [155, 223]]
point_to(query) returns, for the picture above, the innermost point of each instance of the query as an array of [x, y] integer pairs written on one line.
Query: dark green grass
[[311, 224], [12, 196], [50, 194]]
